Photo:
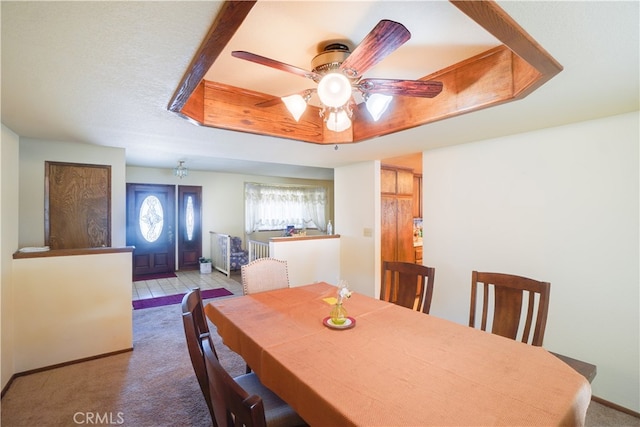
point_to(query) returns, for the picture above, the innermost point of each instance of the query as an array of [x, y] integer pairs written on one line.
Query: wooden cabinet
[[418, 254], [396, 181], [417, 196], [397, 214]]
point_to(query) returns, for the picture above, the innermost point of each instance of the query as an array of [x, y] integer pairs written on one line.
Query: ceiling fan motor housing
[[330, 58]]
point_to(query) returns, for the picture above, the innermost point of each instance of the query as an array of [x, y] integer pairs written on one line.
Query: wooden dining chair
[[264, 274], [195, 329], [407, 284], [503, 305], [244, 401]]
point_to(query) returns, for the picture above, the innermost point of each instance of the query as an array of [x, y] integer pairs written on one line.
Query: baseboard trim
[[615, 406], [6, 387], [60, 365]]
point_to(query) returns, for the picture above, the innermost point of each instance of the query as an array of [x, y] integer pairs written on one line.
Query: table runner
[[396, 367]]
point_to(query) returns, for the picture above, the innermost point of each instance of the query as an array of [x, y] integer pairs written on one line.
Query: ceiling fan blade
[[262, 60], [385, 37], [416, 88]]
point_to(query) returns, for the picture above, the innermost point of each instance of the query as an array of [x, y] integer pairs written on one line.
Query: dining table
[[393, 366]]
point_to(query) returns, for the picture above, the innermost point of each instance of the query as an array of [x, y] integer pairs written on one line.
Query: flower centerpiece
[[338, 312]]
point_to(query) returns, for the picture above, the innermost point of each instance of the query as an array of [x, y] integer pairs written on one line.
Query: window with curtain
[[274, 207]]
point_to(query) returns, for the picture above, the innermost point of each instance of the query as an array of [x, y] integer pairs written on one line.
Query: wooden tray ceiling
[[502, 74]]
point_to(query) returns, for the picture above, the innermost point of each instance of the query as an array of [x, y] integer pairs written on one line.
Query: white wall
[[222, 196], [34, 153], [71, 307], [357, 201], [8, 245], [559, 205], [309, 260]]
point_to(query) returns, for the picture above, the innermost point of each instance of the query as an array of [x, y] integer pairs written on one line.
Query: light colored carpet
[[152, 386]]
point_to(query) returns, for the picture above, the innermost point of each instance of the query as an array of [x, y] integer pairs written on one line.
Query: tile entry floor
[[186, 280]]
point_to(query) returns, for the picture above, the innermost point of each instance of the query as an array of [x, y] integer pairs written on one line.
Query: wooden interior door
[[77, 205], [189, 227], [397, 214], [151, 228]]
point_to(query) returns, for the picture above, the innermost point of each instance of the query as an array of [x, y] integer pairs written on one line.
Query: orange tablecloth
[[397, 367]]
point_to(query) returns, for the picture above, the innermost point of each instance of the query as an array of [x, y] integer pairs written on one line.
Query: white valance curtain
[[273, 207]]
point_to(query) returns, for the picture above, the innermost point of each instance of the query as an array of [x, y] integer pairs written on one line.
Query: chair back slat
[[503, 305], [407, 284], [507, 311], [233, 406], [530, 313]]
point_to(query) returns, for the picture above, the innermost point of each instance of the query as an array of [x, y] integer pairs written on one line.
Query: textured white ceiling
[[103, 73]]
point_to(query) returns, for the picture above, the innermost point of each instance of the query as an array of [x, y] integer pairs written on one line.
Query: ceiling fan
[[338, 73]]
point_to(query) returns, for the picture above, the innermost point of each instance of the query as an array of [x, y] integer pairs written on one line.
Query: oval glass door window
[[151, 218], [190, 218]]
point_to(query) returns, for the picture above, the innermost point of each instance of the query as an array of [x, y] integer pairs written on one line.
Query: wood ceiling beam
[[227, 22], [233, 108], [503, 27], [502, 74], [479, 82]]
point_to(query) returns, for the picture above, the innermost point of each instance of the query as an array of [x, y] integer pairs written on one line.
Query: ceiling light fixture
[[180, 171], [338, 120], [334, 90], [297, 104], [335, 87], [377, 104]]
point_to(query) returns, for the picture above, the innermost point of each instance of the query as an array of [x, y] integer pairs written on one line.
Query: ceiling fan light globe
[[295, 104], [377, 104], [338, 121], [334, 90]]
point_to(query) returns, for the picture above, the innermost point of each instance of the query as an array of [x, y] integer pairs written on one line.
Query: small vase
[[338, 314]]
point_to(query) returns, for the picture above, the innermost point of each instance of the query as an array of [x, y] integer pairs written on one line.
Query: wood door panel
[[161, 259], [141, 261], [417, 196], [189, 259], [389, 233], [150, 262], [405, 250], [405, 182], [77, 205], [388, 181]]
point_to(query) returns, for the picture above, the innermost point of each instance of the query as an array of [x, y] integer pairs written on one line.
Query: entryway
[[184, 282], [151, 227]]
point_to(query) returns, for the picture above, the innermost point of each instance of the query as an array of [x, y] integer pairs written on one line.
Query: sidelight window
[[190, 218]]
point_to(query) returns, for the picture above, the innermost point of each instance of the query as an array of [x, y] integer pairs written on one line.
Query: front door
[[151, 228]]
